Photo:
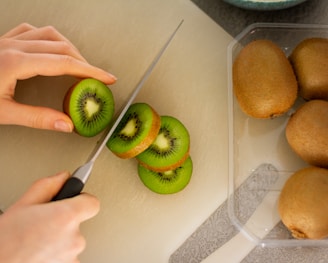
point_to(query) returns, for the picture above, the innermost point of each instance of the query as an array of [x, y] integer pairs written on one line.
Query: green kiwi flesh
[[90, 104], [168, 182], [170, 148], [136, 131]]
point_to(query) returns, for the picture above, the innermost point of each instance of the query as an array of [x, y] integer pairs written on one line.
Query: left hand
[[27, 51]]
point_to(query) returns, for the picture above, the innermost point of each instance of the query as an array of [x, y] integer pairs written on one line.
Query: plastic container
[[253, 142]]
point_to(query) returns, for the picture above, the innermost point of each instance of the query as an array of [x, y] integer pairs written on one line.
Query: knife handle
[[72, 187]]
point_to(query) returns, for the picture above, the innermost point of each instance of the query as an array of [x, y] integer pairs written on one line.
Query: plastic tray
[[253, 142]]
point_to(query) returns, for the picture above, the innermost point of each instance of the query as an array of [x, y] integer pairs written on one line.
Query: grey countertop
[[234, 19]]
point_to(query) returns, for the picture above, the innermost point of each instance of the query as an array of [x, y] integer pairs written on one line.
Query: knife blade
[[74, 185]]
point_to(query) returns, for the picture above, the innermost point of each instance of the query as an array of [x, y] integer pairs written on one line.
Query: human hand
[[27, 51], [35, 230]]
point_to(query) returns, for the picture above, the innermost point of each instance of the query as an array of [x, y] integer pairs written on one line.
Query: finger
[[84, 206], [46, 47], [43, 190], [22, 28], [44, 33], [54, 65], [12, 112]]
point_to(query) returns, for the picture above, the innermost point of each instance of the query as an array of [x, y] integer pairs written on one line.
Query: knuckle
[[25, 26], [9, 55], [65, 47], [80, 243], [67, 215], [67, 60], [42, 183], [49, 30], [37, 121], [6, 43]]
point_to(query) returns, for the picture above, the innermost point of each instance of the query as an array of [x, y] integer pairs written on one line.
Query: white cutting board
[[190, 83]]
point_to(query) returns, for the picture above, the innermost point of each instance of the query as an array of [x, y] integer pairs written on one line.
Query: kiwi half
[[137, 130], [168, 182], [170, 148], [90, 104]]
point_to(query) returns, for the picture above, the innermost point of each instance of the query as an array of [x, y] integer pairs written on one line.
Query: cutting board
[[190, 83]]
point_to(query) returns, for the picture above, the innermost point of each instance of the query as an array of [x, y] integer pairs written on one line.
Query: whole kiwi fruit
[[264, 82], [307, 132], [310, 62], [303, 203]]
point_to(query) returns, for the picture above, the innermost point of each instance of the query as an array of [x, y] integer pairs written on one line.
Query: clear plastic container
[[253, 142]]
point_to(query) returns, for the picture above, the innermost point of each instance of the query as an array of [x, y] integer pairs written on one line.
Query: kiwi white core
[[129, 128], [168, 174], [91, 107], [162, 142]]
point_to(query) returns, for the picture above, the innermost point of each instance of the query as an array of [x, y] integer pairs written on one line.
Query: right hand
[[35, 230]]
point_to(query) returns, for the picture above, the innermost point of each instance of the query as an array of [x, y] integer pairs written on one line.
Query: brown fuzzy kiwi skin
[[307, 130], [147, 141], [264, 82], [67, 99], [303, 203], [167, 168], [310, 62]]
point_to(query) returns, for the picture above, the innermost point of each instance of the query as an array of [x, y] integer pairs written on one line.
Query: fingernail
[[63, 126], [113, 77]]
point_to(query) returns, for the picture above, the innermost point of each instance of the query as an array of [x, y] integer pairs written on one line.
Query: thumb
[[43, 190], [12, 112]]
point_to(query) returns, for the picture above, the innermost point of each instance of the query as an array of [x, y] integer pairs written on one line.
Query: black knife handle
[[72, 187]]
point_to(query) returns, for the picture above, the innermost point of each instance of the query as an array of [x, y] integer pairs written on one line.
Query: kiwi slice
[[136, 131], [168, 182], [170, 148], [90, 104]]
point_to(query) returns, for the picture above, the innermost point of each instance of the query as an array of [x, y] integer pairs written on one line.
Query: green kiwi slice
[[168, 182], [170, 148], [90, 104], [136, 131]]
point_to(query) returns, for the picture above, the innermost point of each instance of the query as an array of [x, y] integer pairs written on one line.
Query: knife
[[74, 185]]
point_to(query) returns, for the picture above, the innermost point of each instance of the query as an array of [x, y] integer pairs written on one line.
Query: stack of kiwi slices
[[160, 144], [90, 104]]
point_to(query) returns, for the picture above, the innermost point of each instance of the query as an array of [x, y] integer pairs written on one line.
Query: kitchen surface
[[190, 82]]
